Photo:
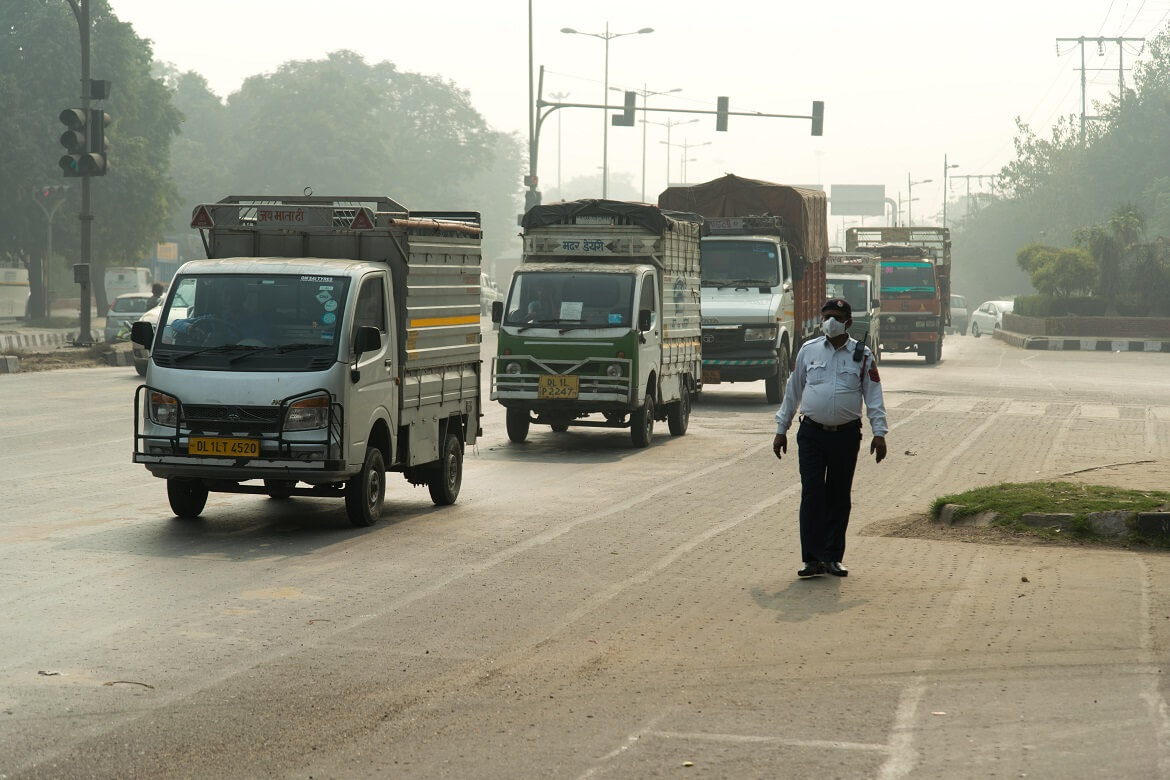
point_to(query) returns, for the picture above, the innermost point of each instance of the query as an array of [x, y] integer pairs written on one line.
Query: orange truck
[[915, 286]]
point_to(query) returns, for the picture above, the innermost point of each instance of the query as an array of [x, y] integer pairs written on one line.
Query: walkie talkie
[[859, 350]]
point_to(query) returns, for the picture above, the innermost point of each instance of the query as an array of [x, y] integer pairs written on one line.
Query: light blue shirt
[[827, 385]]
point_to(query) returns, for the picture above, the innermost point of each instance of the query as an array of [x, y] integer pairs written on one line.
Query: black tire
[[140, 367], [365, 493], [517, 424], [559, 427], [975, 329], [642, 423], [933, 353], [678, 414], [444, 484], [279, 488], [774, 385], [187, 497]]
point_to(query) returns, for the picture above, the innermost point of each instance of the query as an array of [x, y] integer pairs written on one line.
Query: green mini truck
[[601, 325], [856, 277]]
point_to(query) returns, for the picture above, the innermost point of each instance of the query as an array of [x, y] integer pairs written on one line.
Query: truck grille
[[258, 419]]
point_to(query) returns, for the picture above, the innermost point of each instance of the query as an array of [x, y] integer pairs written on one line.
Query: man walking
[[832, 375]]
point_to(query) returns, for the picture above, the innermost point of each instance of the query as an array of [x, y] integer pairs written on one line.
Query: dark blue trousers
[[827, 461]]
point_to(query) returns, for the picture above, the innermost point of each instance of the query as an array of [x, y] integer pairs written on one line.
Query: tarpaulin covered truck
[[763, 275], [915, 287], [601, 323], [324, 342]]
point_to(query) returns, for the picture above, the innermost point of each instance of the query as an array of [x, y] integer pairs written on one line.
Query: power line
[[1101, 41]]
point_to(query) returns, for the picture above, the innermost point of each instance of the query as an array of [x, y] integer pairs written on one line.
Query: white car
[[989, 316], [488, 293], [142, 354], [124, 311]]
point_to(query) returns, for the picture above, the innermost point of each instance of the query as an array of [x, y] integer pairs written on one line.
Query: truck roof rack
[[756, 223]]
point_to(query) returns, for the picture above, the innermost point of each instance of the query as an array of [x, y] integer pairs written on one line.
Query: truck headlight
[[613, 370], [512, 368], [162, 409], [760, 334], [307, 414]]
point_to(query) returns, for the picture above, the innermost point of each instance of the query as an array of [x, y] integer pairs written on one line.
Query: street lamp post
[[686, 147], [946, 168], [558, 96], [646, 93], [606, 36], [669, 123], [910, 197]]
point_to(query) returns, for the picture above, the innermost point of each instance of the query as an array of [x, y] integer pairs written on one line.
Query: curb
[[48, 338], [1082, 344]]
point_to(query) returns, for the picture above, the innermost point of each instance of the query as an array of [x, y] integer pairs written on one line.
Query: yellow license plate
[[558, 387], [711, 376], [223, 448]]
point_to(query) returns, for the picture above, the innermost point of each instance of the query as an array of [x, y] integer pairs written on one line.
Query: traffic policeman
[[833, 374]]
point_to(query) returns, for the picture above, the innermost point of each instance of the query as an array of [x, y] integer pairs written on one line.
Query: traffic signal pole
[[81, 12]]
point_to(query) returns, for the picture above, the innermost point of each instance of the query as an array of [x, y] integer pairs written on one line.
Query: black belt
[[842, 427]]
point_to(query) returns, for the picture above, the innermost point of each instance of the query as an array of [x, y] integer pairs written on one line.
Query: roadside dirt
[[62, 357], [1136, 475]]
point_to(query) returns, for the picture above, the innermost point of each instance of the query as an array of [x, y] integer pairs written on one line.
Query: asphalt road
[[587, 610]]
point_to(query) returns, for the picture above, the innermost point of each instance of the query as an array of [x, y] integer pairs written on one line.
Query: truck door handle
[[388, 362]]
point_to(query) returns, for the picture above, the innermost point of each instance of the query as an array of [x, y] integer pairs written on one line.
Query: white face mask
[[833, 327]]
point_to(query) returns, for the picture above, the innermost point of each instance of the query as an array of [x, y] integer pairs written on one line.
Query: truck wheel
[[140, 367], [187, 497], [975, 329], [933, 352], [642, 423], [517, 424], [559, 427], [444, 484], [365, 493], [775, 384], [279, 488], [678, 414]]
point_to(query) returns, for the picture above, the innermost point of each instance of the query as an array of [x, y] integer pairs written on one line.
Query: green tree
[[1057, 272], [1109, 244], [40, 67]]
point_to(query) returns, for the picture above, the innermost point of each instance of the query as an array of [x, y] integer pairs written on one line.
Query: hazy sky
[[904, 82]]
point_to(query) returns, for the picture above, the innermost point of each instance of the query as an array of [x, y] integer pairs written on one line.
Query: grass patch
[[1015, 499]]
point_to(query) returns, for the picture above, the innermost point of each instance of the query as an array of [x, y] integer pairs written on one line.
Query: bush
[[1047, 306]]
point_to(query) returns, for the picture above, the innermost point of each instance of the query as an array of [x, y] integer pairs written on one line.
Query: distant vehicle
[[126, 279], [124, 310], [140, 353], [14, 293], [959, 317], [989, 316], [489, 293]]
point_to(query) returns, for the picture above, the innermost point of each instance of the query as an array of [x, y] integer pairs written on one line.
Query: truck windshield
[[288, 322], [740, 264], [580, 299], [855, 291], [905, 276]]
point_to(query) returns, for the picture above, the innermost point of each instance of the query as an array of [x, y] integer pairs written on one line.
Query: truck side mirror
[[787, 286], [367, 339], [497, 311], [875, 304], [142, 333], [644, 320]]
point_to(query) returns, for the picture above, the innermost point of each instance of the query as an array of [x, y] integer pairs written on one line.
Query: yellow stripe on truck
[[432, 322]]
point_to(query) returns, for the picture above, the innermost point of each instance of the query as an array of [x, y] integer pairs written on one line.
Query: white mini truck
[[323, 342]]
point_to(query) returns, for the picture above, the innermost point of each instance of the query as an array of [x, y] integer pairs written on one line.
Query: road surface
[[588, 610]]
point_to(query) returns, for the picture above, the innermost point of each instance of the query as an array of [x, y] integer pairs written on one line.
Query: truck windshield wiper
[[279, 349], [747, 283], [537, 324], [212, 350]]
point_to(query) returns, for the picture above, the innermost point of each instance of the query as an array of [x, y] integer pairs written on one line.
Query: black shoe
[[836, 569], [811, 569]]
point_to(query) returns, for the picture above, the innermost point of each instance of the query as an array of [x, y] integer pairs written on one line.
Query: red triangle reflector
[[202, 218], [363, 220]]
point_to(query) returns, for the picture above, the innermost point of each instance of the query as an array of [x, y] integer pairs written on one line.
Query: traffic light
[[84, 140], [721, 114], [49, 192], [818, 117], [626, 118]]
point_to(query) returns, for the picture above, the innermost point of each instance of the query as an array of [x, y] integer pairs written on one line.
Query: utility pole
[[559, 96], [980, 176], [1120, 41]]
